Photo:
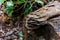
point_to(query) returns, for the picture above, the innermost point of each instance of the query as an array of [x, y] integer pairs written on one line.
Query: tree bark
[[43, 21]]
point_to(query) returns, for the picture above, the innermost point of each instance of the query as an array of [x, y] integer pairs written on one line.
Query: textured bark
[[42, 22]]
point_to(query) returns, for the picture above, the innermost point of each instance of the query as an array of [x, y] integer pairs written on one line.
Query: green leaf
[[10, 7], [1, 1], [22, 0], [19, 1], [10, 13], [28, 8], [39, 1], [10, 10], [9, 3], [20, 34]]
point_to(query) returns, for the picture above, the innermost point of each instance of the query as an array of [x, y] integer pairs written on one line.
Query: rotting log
[[42, 22]]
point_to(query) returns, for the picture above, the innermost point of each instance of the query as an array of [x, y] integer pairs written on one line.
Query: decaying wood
[[43, 16]]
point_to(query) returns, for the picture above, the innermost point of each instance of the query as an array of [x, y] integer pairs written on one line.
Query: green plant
[[27, 5]]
